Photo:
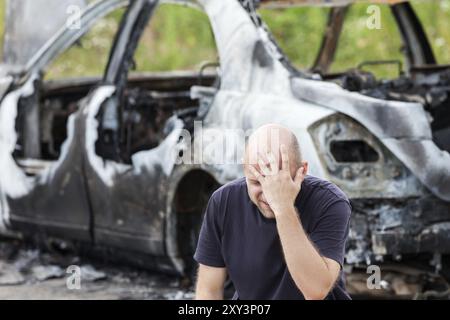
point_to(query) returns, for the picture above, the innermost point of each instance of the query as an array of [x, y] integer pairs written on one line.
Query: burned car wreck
[[92, 161]]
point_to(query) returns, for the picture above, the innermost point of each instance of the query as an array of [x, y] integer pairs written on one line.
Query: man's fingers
[[263, 167], [284, 158], [273, 162], [255, 172]]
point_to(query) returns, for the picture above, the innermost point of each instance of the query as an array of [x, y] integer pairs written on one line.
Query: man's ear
[[305, 167]]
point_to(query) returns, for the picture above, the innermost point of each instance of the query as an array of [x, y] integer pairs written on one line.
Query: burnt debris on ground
[[31, 272]]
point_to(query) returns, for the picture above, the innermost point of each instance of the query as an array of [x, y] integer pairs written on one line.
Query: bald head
[[269, 138]]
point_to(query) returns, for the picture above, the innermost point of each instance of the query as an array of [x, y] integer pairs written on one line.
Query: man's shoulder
[[232, 188], [318, 187]]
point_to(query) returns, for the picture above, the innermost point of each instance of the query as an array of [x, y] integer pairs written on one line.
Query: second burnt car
[[97, 161]]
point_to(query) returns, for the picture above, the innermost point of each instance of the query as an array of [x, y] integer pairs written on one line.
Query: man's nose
[[262, 197]]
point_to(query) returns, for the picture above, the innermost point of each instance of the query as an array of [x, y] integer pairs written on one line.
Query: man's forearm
[[210, 283], [208, 295], [308, 269]]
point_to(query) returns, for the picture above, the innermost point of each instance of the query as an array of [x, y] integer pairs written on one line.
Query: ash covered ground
[[28, 271]]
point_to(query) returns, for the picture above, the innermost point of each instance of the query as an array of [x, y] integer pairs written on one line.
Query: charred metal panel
[[127, 200], [386, 119], [402, 127], [30, 126], [51, 198], [22, 38], [397, 227], [5, 83], [417, 155], [237, 38], [383, 176]]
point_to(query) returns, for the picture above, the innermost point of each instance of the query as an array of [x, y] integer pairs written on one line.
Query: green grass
[[181, 38]]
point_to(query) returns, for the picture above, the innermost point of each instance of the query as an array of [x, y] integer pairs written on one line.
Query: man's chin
[[265, 210]]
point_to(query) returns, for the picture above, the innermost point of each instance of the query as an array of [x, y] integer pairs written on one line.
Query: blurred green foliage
[[359, 43], [299, 33], [176, 38], [89, 56], [181, 38], [435, 17]]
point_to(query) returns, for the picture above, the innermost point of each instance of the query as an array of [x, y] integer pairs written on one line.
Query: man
[[278, 233]]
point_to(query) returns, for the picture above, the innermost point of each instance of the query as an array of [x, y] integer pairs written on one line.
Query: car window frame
[[66, 36]]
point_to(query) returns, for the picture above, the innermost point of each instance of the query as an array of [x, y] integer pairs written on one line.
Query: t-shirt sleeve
[[331, 230], [209, 246]]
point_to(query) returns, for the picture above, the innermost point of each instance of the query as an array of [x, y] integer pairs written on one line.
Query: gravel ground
[[27, 272]]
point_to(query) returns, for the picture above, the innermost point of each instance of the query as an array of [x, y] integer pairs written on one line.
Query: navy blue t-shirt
[[235, 235]]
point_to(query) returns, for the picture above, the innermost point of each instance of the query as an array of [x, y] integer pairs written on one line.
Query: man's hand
[[278, 187]]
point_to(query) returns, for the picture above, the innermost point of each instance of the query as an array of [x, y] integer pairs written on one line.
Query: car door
[[124, 194], [130, 175], [43, 190]]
